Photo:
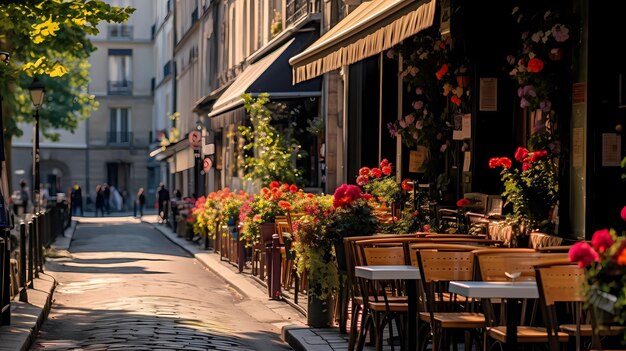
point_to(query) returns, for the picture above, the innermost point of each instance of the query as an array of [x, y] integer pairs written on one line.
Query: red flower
[[257, 218], [310, 196], [406, 186], [620, 254], [582, 253], [364, 171], [345, 195], [274, 184], [293, 188], [521, 154], [384, 163], [526, 166], [426, 228], [442, 71], [285, 205], [284, 187], [535, 65], [366, 196], [376, 172], [463, 202], [361, 180], [265, 191], [494, 162], [505, 162], [623, 213], [456, 100], [602, 240], [538, 155], [387, 170]]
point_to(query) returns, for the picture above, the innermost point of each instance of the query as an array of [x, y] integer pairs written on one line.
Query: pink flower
[[538, 155], [623, 213], [602, 240], [582, 253], [345, 195], [410, 119], [419, 91], [419, 124], [418, 104]]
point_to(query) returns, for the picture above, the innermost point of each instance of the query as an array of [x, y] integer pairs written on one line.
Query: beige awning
[[373, 27]]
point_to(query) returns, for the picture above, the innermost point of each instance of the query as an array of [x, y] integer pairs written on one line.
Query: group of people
[[108, 198]]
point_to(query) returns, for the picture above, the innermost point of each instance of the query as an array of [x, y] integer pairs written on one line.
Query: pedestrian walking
[[20, 199], [77, 200], [99, 200], [106, 193], [163, 201], [140, 202]]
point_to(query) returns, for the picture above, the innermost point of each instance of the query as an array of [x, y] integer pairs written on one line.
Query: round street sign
[[195, 139], [206, 164]]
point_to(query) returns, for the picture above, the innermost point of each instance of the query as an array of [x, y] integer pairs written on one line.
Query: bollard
[[31, 245], [23, 295], [275, 275], [42, 237], [241, 256], [36, 250]]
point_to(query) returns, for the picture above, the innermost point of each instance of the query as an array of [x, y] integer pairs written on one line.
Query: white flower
[[537, 36], [531, 55]]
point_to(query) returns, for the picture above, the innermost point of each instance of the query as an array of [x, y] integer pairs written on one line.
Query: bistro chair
[[385, 300], [561, 295], [492, 266], [446, 313]]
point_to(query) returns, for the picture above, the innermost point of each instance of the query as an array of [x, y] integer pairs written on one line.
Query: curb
[[27, 317], [302, 338]]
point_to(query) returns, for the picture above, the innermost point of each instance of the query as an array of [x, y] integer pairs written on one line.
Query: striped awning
[[373, 27]]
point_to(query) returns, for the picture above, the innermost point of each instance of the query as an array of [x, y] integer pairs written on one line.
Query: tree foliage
[[272, 160], [48, 39]]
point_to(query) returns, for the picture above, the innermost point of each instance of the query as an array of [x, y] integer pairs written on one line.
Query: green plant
[[271, 160], [316, 126], [532, 190], [381, 184]]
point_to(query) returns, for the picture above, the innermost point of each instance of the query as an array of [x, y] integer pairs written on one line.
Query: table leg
[[512, 316], [411, 331]]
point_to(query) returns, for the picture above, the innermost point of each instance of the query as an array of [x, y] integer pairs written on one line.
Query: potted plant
[[352, 216], [314, 255], [531, 189]]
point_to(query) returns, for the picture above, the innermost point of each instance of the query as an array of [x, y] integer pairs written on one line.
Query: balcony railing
[[296, 9], [120, 87], [119, 138], [120, 32]]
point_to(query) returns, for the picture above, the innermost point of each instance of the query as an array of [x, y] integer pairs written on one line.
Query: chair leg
[[353, 326], [366, 320]]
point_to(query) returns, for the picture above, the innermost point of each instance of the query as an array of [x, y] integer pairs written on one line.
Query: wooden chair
[[385, 301], [445, 313], [561, 282], [492, 266]]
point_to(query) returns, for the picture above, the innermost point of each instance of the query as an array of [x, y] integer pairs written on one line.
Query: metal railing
[[21, 267], [295, 10], [119, 87], [119, 138]]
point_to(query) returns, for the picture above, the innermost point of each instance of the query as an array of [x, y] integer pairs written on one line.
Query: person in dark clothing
[[140, 202], [163, 201], [106, 193], [99, 200], [77, 200]]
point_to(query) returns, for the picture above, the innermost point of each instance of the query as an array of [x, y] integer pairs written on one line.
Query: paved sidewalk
[[294, 331], [27, 317]]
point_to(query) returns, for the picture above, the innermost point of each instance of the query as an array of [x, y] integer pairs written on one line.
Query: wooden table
[[511, 291], [409, 273]]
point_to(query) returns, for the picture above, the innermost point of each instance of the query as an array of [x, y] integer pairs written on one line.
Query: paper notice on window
[[577, 147], [488, 94], [467, 159], [611, 149], [467, 126], [417, 158]]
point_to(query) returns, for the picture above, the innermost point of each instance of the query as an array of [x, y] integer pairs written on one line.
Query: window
[[119, 126], [120, 31], [120, 72]]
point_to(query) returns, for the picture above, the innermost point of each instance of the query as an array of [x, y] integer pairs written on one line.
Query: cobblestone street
[[126, 287]]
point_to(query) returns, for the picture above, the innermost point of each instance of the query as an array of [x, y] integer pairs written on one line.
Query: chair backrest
[[561, 282], [435, 246], [383, 256], [493, 264], [494, 205], [553, 249], [441, 265], [479, 202]]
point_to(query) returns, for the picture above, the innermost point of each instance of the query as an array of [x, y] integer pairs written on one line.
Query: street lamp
[[37, 95]]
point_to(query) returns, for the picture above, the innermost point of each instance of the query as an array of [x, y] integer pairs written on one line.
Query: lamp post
[[37, 94]]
